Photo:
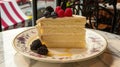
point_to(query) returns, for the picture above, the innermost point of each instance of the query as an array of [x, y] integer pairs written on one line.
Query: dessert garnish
[[58, 12], [50, 9], [47, 14], [68, 12], [35, 44], [57, 8], [42, 50], [54, 14], [38, 47]]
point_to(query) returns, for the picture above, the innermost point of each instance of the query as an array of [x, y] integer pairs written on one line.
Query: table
[[10, 58]]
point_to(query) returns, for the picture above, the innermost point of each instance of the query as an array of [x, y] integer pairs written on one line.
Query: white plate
[[96, 44]]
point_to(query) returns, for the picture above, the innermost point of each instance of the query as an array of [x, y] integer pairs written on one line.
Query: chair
[[11, 15]]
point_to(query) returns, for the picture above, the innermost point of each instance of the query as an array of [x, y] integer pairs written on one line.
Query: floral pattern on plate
[[96, 44]]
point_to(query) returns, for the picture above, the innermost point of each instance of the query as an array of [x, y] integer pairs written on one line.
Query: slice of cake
[[66, 32]]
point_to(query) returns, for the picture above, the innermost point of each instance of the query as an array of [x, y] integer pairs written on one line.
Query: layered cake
[[65, 32]]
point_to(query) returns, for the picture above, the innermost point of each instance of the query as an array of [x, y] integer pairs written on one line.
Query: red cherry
[[60, 13], [68, 12], [57, 8]]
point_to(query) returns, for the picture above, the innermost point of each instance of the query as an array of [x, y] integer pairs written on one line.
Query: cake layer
[[66, 44], [78, 20], [62, 30], [61, 38], [63, 26], [62, 34]]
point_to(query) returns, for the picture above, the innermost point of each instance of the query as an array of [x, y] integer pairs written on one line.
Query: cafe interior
[[18, 31]]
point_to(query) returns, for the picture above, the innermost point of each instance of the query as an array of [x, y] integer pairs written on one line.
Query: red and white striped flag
[[11, 15]]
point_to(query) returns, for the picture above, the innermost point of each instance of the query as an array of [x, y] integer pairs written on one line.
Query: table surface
[[10, 58]]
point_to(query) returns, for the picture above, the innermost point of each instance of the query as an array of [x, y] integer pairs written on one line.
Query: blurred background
[[100, 14]]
